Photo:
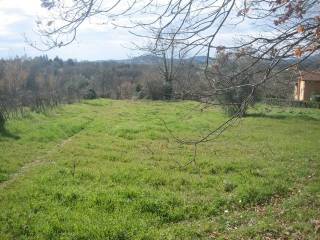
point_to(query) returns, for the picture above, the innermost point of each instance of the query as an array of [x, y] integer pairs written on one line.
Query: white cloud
[[7, 19], [95, 40], [28, 7]]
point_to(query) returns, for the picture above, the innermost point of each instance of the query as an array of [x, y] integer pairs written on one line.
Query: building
[[307, 86]]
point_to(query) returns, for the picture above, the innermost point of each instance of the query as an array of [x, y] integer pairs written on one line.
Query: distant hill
[[199, 59], [143, 59], [311, 63], [152, 59], [146, 59]]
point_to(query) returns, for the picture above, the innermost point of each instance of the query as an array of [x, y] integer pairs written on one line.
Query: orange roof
[[310, 76]]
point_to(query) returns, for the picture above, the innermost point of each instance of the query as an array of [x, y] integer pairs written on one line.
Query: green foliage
[[168, 90], [91, 94], [2, 122], [259, 179], [138, 88], [315, 98], [235, 82]]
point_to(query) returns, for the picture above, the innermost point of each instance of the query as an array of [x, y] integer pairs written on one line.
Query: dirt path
[[40, 160], [36, 162]]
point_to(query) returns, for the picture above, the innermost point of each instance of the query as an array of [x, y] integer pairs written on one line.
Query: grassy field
[[106, 169]]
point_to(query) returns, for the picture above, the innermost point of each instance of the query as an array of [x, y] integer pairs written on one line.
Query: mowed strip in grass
[[105, 169]]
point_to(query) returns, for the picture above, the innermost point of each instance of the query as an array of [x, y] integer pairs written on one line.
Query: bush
[[168, 90], [315, 98], [2, 122], [154, 89], [233, 100], [91, 94], [235, 83]]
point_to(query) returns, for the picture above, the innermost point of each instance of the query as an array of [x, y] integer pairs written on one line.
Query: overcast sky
[[17, 18], [94, 42]]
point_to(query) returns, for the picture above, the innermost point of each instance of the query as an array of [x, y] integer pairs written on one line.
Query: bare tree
[[284, 29], [171, 61]]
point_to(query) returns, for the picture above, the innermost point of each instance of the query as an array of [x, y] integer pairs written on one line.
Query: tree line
[[40, 83]]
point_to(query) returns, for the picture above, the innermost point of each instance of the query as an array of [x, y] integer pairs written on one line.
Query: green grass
[[106, 169]]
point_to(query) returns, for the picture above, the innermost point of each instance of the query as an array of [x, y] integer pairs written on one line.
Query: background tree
[[291, 28]]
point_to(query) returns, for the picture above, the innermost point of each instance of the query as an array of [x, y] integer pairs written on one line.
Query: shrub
[[315, 98], [235, 83], [168, 90], [2, 122], [233, 100], [154, 89], [91, 94]]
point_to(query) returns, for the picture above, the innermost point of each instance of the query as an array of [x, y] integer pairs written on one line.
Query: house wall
[[296, 92], [310, 87], [301, 89]]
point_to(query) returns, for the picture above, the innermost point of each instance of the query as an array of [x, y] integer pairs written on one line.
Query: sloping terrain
[[106, 169]]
